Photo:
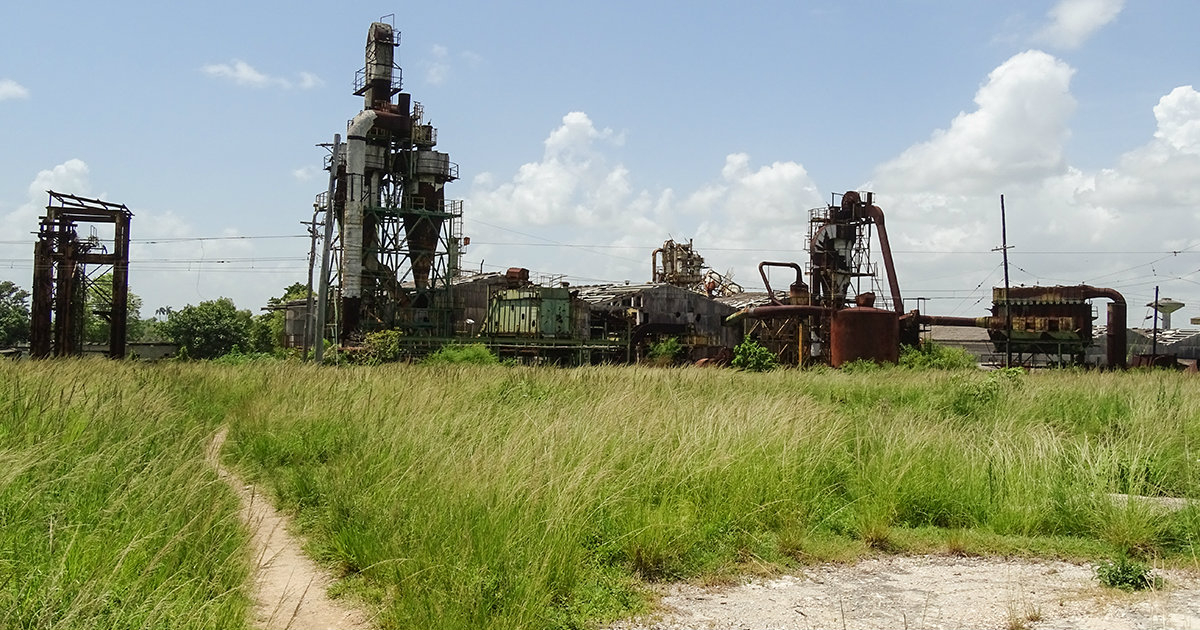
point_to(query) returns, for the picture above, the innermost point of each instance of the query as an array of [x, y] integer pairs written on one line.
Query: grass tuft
[[512, 497]]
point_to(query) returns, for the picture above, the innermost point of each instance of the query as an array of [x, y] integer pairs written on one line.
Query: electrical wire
[[187, 239]]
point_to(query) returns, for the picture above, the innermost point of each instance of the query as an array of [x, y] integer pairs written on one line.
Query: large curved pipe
[[352, 224], [976, 322], [654, 264], [781, 310], [767, 283], [885, 249], [1116, 343]]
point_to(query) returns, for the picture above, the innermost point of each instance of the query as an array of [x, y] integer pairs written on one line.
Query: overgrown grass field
[[456, 496]]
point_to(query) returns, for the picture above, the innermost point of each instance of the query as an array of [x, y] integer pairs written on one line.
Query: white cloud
[[1178, 115], [438, 69], [309, 81], [1016, 133], [579, 193], [1072, 22], [11, 90], [439, 66], [242, 73], [942, 195], [305, 173], [21, 224], [177, 270], [239, 72], [70, 177]]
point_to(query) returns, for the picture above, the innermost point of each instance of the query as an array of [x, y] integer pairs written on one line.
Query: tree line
[[206, 330]]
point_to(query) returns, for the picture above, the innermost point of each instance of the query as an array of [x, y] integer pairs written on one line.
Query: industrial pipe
[[885, 248], [1116, 345], [767, 283], [977, 322], [654, 264], [780, 310], [356, 168]]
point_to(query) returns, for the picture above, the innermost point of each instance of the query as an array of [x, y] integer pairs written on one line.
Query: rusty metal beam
[[60, 275]]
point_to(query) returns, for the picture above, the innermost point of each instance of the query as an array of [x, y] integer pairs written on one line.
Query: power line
[[552, 243], [185, 239]]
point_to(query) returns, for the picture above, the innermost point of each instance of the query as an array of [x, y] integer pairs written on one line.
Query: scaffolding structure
[[398, 240], [66, 269]]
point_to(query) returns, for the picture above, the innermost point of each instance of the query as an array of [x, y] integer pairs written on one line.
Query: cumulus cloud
[[1178, 116], [1016, 133], [242, 73], [169, 264], [1072, 22], [21, 224], [941, 197], [11, 90], [943, 194], [579, 193], [69, 177]]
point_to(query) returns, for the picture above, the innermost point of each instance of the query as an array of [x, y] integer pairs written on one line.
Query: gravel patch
[[931, 592]]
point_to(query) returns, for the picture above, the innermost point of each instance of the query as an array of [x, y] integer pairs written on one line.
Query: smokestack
[[381, 44]]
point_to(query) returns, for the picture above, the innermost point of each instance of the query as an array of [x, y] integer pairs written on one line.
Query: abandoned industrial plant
[[387, 255]]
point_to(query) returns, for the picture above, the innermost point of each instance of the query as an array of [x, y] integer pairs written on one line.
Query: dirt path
[[290, 590], [930, 592]]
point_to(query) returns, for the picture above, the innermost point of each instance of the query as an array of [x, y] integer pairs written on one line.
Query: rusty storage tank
[[864, 332]]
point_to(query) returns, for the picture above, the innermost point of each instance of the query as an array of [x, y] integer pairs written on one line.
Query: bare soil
[[290, 589], [929, 592]]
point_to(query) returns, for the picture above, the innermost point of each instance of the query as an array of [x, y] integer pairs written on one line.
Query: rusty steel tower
[[397, 237], [66, 268]]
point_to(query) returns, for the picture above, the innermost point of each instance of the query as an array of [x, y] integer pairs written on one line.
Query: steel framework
[[398, 239], [66, 267]]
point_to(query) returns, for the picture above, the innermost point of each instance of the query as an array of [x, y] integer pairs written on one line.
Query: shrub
[[209, 329], [381, 347], [666, 351], [1126, 574], [932, 356], [472, 353], [750, 355]]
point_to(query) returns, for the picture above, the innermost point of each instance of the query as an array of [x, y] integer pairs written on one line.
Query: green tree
[[209, 329], [14, 314], [99, 298], [266, 331], [269, 327]]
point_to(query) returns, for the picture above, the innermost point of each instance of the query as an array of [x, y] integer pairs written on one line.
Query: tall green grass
[[487, 496], [526, 498], [109, 517]]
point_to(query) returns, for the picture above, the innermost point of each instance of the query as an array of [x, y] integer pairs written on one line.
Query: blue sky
[[588, 133]]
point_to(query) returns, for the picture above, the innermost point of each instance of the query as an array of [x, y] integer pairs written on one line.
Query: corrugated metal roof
[[469, 278], [751, 298], [596, 293], [1169, 337]]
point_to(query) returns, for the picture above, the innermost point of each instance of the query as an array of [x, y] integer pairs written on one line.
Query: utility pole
[[1007, 302], [308, 304], [323, 291], [1154, 343]]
